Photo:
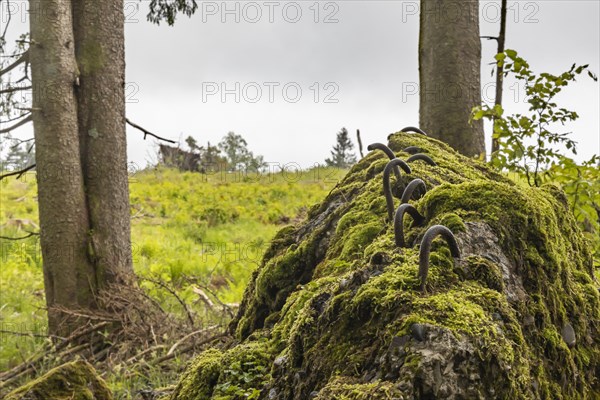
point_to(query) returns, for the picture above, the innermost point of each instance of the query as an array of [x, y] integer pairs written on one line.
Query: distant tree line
[[231, 154]]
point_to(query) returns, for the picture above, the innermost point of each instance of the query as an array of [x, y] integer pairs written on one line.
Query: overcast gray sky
[[355, 62]]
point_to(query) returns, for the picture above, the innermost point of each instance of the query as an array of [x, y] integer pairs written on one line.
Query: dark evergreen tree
[[342, 155]]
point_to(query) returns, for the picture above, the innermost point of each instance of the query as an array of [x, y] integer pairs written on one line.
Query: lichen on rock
[[335, 310], [76, 380]]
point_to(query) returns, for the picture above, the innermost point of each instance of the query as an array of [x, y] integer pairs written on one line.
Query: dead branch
[[224, 306], [18, 124], [204, 297], [147, 133], [30, 334], [14, 89], [14, 118], [18, 173], [20, 142], [20, 238], [186, 337], [183, 304], [187, 349], [11, 375], [15, 64], [143, 353]]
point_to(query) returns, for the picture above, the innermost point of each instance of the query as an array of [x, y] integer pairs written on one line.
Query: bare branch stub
[[422, 157], [425, 249], [360, 145], [414, 129], [388, 152], [387, 188], [418, 220], [148, 133]]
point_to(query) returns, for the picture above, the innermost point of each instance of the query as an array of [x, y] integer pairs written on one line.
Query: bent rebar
[[410, 189], [425, 249], [422, 157], [387, 151], [399, 222], [412, 150], [387, 188], [414, 129]]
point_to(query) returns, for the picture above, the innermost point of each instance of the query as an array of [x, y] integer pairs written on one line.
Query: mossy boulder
[[335, 311], [73, 381]]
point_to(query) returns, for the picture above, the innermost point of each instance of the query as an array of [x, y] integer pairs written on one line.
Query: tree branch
[[20, 238], [15, 64], [14, 118], [489, 37], [18, 124], [20, 142], [14, 89], [146, 132], [19, 173]]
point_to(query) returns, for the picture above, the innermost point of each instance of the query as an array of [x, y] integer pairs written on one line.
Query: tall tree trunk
[[500, 71], [69, 277], [449, 73], [100, 51]]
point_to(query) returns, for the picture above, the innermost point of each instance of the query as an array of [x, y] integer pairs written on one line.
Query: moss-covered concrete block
[[73, 381], [335, 311]]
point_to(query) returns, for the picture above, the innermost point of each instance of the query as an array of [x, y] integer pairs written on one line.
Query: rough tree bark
[[500, 69], [449, 73], [69, 276], [78, 67], [100, 51]]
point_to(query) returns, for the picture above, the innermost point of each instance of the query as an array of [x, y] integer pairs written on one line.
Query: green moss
[[346, 389], [73, 381], [340, 307], [237, 373]]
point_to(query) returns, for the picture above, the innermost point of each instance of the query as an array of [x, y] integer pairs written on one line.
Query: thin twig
[[186, 337], [146, 132], [15, 64], [187, 348], [183, 304], [18, 124], [14, 89]]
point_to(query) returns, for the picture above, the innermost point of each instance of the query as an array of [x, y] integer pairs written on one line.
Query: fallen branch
[[11, 375], [187, 349], [30, 334], [183, 304], [147, 133], [186, 337]]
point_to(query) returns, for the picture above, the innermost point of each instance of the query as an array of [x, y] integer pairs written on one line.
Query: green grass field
[[186, 227]]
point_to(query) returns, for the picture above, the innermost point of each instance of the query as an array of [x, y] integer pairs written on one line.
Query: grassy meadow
[[188, 229]]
